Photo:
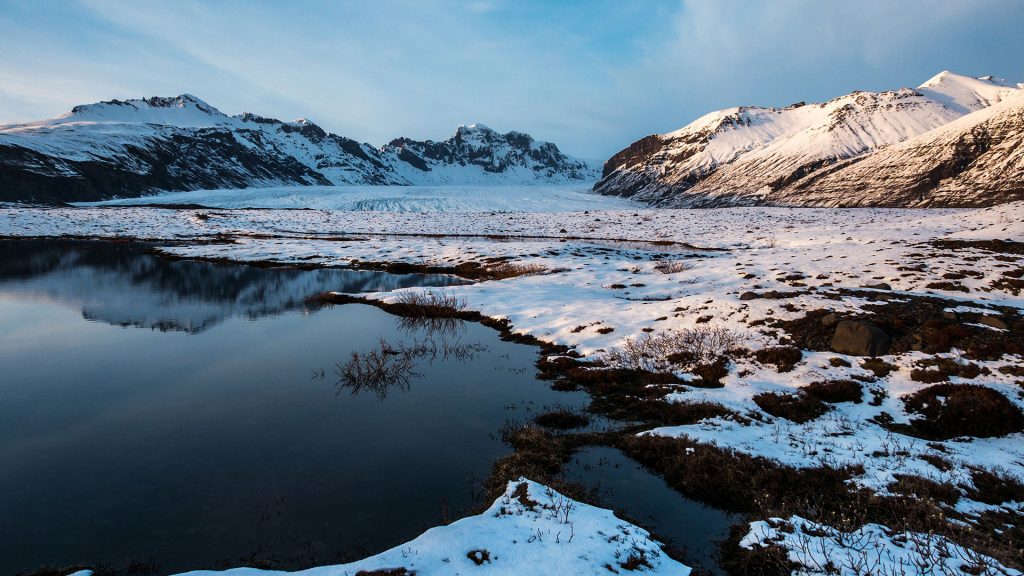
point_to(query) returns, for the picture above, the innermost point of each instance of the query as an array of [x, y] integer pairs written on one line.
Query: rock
[[748, 296], [879, 286], [949, 315], [994, 322], [829, 319], [860, 338]]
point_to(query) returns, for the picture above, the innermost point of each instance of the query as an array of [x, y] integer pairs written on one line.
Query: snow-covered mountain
[[477, 154], [134, 147], [804, 154]]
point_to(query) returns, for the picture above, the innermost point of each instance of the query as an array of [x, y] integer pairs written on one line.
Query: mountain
[[134, 147], [477, 154], [976, 160], [753, 155]]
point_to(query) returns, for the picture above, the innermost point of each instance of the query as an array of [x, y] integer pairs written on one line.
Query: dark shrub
[[919, 487], [945, 367], [783, 357], [732, 480], [835, 391], [562, 420], [798, 408], [928, 376], [711, 373], [994, 487], [770, 560], [951, 410], [879, 367]]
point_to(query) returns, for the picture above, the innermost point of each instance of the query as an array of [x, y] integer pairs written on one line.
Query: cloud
[[591, 76], [741, 52]]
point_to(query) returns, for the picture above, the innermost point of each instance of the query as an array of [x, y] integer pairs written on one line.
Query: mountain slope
[[977, 160], [751, 155], [134, 147]]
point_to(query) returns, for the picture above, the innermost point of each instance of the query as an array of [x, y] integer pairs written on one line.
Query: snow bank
[[479, 198], [531, 529]]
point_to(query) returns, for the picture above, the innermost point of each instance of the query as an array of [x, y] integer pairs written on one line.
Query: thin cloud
[[590, 76]]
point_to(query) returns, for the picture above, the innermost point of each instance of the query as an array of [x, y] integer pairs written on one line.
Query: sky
[[591, 76]]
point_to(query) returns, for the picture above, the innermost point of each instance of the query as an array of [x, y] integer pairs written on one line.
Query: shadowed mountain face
[[119, 149], [125, 285]]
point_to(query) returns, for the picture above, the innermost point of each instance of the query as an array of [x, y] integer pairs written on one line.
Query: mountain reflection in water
[[126, 285]]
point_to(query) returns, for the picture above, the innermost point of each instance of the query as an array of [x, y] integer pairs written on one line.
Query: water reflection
[[124, 285], [392, 367]]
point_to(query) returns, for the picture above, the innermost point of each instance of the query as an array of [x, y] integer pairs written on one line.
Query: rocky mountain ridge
[[806, 154], [133, 147]]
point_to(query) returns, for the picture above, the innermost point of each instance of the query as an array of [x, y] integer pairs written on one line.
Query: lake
[[199, 415]]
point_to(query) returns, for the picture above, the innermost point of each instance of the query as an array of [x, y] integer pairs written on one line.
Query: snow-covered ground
[[455, 198], [872, 549], [598, 294]]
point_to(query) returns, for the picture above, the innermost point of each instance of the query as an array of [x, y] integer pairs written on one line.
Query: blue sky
[[591, 76]]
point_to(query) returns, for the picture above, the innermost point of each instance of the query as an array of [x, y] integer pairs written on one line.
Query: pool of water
[[198, 415], [621, 484]]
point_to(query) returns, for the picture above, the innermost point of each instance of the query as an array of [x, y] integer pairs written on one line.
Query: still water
[[190, 413], [194, 415]]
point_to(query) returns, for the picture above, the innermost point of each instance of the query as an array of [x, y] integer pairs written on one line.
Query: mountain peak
[[965, 94], [472, 128], [947, 77], [938, 79], [182, 110]]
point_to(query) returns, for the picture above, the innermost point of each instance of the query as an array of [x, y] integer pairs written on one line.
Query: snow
[[481, 198], [537, 532], [871, 549], [184, 111], [964, 93]]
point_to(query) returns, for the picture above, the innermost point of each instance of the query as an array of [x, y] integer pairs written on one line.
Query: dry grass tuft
[[507, 270], [430, 304], [678, 350], [673, 266]]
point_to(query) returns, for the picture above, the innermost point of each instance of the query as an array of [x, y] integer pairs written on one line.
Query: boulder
[[748, 296], [994, 322], [860, 338]]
